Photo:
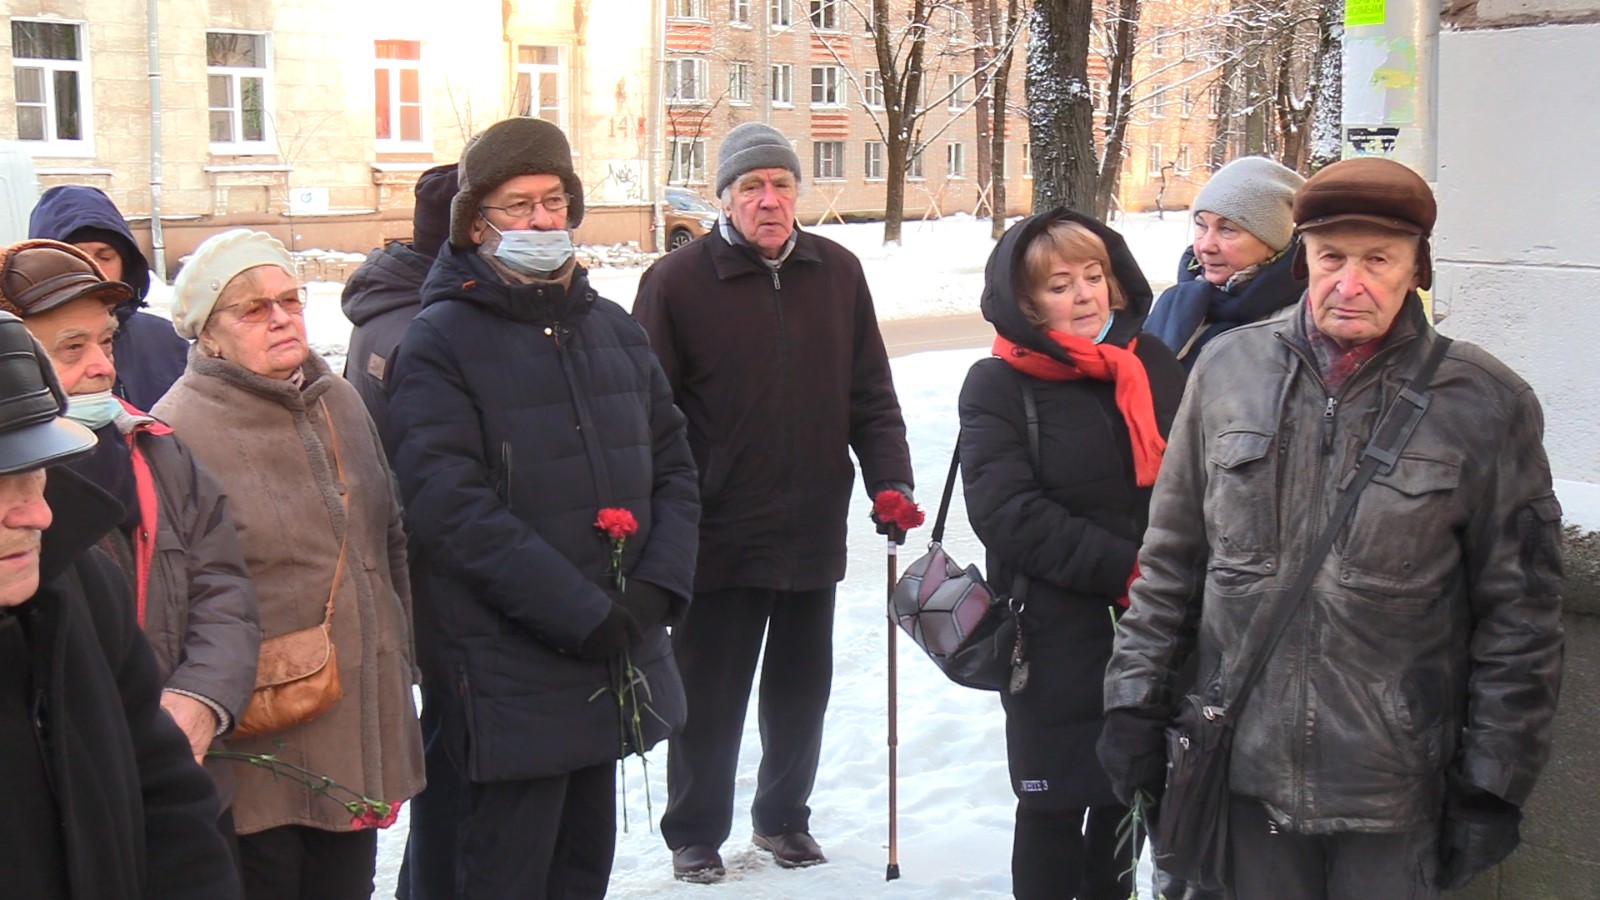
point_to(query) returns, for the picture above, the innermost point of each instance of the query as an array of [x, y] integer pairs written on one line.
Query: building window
[[827, 158], [686, 80], [825, 14], [1156, 41], [540, 80], [739, 82], [1027, 160], [872, 89], [955, 159], [1186, 103], [236, 84], [783, 85], [827, 86], [872, 160], [1216, 102], [914, 162], [688, 161], [956, 87], [51, 73], [739, 12], [397, 87], [1158, 103], [1154, 166], [778, 13], [686, 9]]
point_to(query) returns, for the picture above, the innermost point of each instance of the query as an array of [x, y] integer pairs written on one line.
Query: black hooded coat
[[380, 300], [1072, 525], [149, 354]]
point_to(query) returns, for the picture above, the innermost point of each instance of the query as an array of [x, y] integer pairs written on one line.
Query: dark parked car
[[688, 215]]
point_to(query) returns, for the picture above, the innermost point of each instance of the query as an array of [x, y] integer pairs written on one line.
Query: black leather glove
[[890, 529], [1479, 830], [647, 603], [1133, 751], [615, 633]]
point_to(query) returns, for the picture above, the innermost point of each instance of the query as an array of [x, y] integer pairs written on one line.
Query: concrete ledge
[[1581, 559]]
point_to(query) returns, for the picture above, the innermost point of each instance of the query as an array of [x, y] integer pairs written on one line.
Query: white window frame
[[51, 145], [955, 160], [1156, 41], [1158, 103], [872, 89], [691, 9], [781, 76], [1186, 104], [739, 83], [1183, 159], [833, 74], [238, 146], [698, 80], [914, 161], [956, 87], [1027, 159], [395, 67], [827, 155], [1153, 164], [690, 152], [825, 14], [872, 156], [779, 14], [739, 12], [534, 70]]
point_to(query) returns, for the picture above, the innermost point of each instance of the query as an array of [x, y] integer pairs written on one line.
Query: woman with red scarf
[[1067, 302]]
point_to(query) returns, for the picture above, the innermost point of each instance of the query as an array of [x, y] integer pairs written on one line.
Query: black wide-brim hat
[[33, 433]]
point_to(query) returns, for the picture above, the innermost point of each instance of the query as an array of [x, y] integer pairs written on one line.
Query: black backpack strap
[[1394, 431], [949, 487]]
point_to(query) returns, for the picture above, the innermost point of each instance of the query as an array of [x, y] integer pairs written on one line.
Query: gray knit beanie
[[506, 149], [754, 145], [1255, 193]]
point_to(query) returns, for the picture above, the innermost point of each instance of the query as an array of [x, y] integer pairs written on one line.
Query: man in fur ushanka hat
[[521, 406]]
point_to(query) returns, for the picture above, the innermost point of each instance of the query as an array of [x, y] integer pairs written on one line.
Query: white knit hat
[[215, 263], [1256, 194]]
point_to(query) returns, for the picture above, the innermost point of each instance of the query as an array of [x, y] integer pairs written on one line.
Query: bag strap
[[1030, 410], [344, 500], [1393, 432]]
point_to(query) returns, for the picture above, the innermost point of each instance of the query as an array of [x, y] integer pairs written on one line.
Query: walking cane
[[893, 870]]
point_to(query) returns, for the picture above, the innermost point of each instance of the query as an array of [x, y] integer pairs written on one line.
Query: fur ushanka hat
[[512, 147]]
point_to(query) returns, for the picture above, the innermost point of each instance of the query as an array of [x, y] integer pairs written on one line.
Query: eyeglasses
[[258, 310], [522, 209]]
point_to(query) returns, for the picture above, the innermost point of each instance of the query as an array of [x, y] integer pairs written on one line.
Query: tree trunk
[[983, 45], [1060, 113], [1327, 95], [1002, 90], [1120, 105], [902, 94]]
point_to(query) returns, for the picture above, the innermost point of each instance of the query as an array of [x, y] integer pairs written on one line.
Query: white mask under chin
[[529, 252]]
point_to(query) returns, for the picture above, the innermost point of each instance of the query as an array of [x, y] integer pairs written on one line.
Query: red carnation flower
[[892, 506], [616, 523]]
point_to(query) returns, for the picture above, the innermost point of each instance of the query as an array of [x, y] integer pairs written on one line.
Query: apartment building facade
[[313, 118]]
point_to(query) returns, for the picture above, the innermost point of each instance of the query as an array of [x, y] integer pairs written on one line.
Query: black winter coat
[[516, 413], [380, 300], [133, 817], [781, 374], [1192, 312], [1072, 525]]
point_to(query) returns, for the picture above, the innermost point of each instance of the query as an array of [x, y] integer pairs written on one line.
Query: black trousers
[[293, 862], [1057, 855], [1270, 864], [429, 869], [542, 839], [717, 646]]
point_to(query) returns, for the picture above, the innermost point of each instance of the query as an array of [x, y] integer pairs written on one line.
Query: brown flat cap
[[1372, 190], [1366, 189], [37, 276]]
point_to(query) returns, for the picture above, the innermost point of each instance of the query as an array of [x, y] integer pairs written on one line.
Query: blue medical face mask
[[533, 252], [1106, 327], [93, 411]]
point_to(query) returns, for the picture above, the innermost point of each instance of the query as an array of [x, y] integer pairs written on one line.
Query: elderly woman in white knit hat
[[1237, 271], [313, 501]]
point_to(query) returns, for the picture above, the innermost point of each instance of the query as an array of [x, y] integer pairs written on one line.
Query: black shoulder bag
[[1190, 835], [970, 633]]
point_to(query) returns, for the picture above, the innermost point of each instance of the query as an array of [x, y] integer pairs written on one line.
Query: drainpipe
[[658, 71], [158, 243]]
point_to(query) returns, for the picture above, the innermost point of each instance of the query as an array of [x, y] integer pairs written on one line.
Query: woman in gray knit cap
[[1237, 271]]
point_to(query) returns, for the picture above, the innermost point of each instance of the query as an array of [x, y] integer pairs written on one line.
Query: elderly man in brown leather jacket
[[1403, 718]]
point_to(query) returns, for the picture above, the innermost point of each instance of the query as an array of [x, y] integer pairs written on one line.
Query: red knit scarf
[[1103, 362]]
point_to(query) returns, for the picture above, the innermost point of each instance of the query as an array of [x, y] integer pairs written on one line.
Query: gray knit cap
[[754, 145], [1255, 193]]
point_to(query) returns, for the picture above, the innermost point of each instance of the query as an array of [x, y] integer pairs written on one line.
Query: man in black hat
[[103, 796], [1403, 717], [521, 406]]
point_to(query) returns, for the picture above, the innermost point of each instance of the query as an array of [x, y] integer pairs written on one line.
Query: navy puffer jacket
[[516, 413]]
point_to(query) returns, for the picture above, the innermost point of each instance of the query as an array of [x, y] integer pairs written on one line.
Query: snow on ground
[[955, 800]]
